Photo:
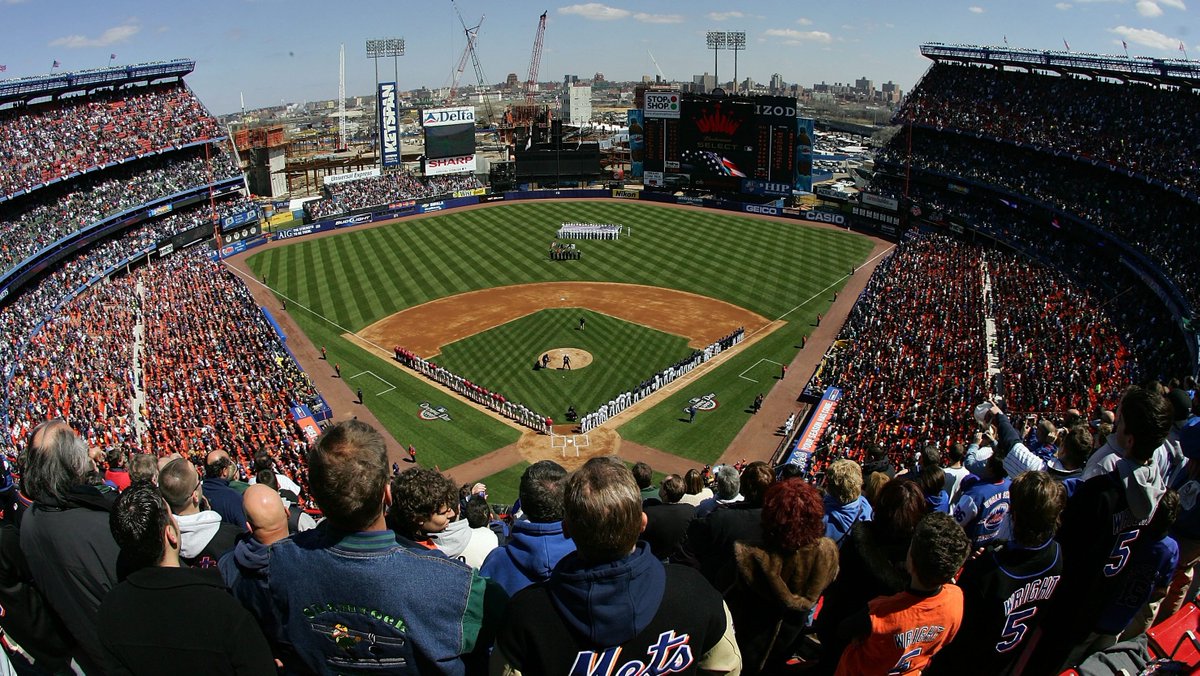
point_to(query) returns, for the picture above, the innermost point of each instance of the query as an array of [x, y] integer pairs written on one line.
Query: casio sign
[[759, 209], [825, 217]]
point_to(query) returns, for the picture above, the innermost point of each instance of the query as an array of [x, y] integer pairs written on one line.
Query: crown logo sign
[[716, 122]]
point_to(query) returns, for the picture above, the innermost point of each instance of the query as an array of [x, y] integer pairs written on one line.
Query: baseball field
[[475, 291]]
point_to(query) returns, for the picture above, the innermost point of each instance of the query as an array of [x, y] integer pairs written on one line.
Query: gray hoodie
[[196, 531]]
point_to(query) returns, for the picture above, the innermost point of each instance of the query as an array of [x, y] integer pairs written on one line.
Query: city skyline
[[278, 50]]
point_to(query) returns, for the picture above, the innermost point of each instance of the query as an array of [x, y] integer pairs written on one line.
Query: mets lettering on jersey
[[669, 654]]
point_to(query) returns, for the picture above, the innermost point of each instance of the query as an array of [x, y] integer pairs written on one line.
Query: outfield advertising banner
[[389, 125], [626, 194], [292, 233], [238, 247], [806, 443], [240, 218], [441, 117], [662, 105], [637, 143], [804, 154], [350, 176], [464, 164]]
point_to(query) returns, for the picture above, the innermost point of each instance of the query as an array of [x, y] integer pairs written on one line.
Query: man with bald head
[[218, 470], [204, 537], [245, 568]]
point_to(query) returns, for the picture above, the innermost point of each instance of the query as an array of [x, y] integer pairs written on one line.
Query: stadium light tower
[[384, 47], [716, 42], [737, 42]]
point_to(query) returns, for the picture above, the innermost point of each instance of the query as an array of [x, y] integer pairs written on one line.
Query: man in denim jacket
[[350, 597]]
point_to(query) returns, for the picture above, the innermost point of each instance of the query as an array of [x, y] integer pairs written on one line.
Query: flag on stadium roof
[[1066, 45], [3, 68], [112, 56], [56, 64]]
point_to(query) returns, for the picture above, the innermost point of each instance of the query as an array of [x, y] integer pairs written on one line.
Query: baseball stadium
[[987, 343]]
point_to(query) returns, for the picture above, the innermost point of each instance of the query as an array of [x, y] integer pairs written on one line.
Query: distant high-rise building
[[776, 83], [702, 84], [511, 81], [864, 86], [598, 77], [577, 104], [890, 92]]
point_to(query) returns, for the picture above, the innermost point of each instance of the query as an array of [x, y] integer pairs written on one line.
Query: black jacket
[[73, 556], [181, 621], [709, 542], [27, 616], [665, 526]]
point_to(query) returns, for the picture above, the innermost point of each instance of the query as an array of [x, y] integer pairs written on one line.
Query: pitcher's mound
[[579, 358]]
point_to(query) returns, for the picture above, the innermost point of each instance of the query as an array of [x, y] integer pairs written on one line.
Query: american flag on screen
[[712, 162]]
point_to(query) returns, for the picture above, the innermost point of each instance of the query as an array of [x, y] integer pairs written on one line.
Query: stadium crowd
[[29, 360], [1070, 247], [1154, 221], [397, 186], [32, 223], [46, 141], [598, 565], [1089, 118]]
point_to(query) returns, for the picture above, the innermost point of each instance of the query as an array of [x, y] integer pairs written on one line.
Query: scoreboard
[[724, 144]]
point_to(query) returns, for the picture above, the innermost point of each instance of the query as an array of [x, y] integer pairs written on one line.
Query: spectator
[[1186, 530], [1006, 591], [65, 535], [871, 563], [844, 503], [644, 476], [955, 472], [780, 578], [143, 467], [1103, 517], [468, 538], [636, 613], [1145, 405], [982, 510], [423, 504], [873, 484], [538, 542], [933, 481], [877, 461], [264, 461], [726, 492], [203, 536], [667, 520], [298, 520], [438, 616], [219, 470], [165, 618], [709, 541], [926, 615], [116, 472], [695, 491], [246, 570]]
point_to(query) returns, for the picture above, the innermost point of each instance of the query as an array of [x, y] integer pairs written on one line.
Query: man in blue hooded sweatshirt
[[537, 542], [244, 568], [611, 606]]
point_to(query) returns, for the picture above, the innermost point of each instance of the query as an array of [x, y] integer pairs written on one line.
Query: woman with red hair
[[781, 576]]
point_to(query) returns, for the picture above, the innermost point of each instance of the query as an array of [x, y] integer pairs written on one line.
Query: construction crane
[[472, 34], [535, 61], [655, 62], [467, 52]]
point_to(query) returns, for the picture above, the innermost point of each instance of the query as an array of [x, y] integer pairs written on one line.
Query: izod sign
[[662, 105]]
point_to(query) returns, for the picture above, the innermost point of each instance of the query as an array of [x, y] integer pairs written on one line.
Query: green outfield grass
[[624, 354], [777, 269]]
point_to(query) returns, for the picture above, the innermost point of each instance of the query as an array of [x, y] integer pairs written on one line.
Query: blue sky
[[274, 50]]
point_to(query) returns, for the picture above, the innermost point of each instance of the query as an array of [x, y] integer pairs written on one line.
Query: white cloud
[[658, 18], [111, 36], [1148, 8], [795, 37], [804, 21], [975, 9], [595, 11], [1146, 37], [1064, 6], [1177, 4], [724, 16]]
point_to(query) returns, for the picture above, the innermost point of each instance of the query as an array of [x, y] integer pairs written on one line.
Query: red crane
[[536, 60]]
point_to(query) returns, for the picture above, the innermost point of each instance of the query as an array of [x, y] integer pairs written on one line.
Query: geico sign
[[759, 209], [825, 217], [443, 116]]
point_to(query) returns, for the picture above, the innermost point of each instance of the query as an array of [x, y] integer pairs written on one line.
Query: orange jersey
[[907, 630]]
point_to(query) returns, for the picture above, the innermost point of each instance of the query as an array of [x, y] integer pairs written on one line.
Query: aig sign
[[662, 105], [440, 117], [389, 125]]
